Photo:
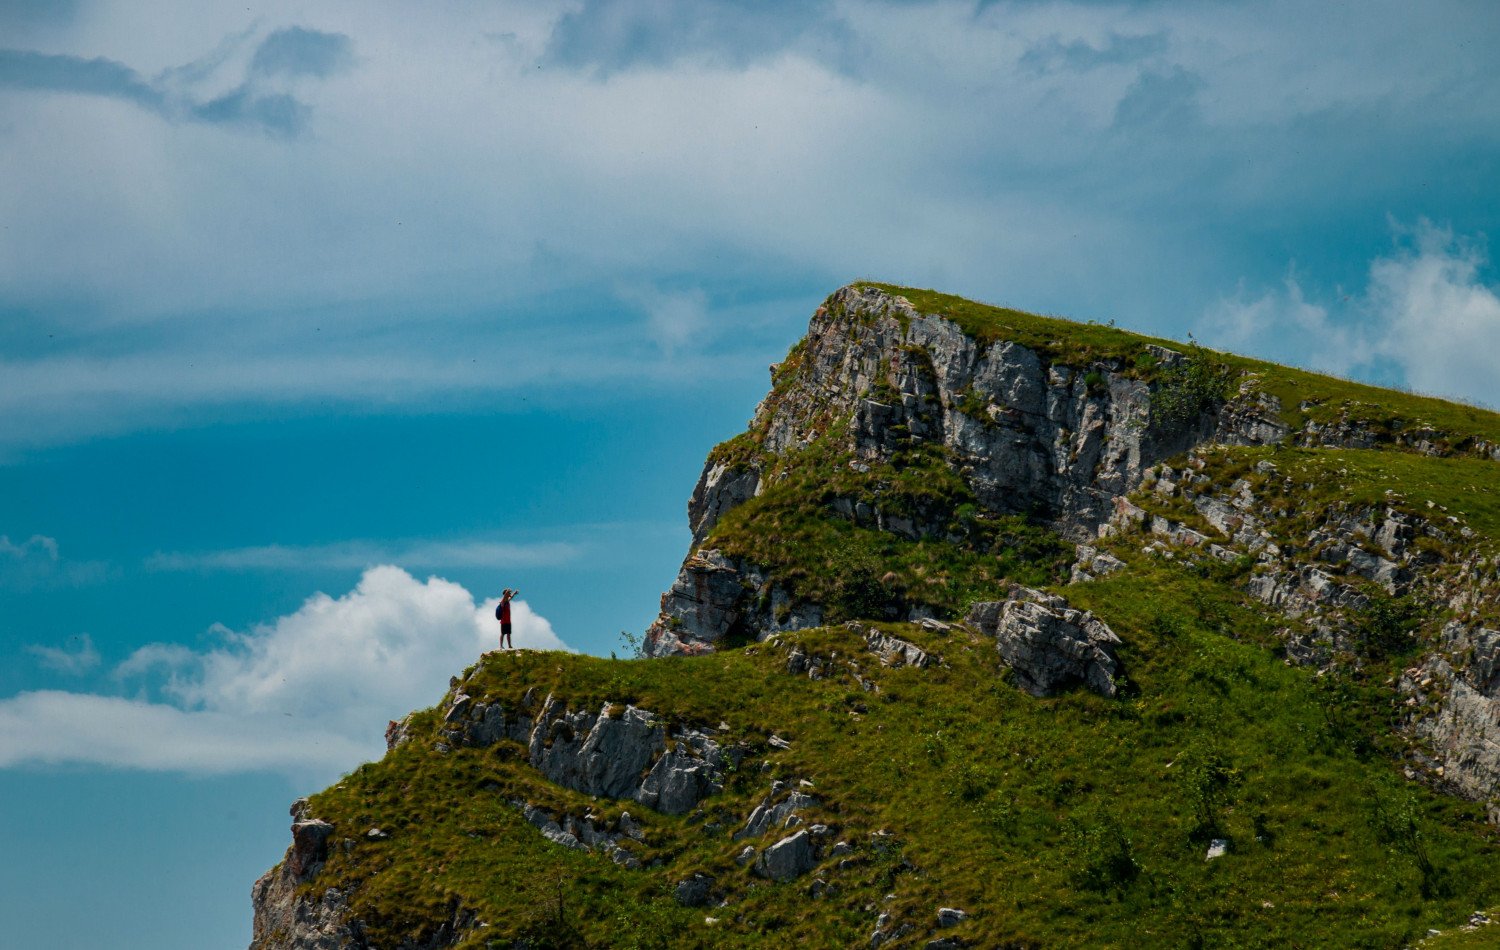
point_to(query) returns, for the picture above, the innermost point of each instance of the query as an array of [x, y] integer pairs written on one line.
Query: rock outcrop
[[1027, 435], [287, 920], [1048, 645], [618, 751], [1454, 697]]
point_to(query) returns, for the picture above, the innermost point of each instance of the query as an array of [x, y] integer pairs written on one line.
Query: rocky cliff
[[996, 631], [1050, 433]]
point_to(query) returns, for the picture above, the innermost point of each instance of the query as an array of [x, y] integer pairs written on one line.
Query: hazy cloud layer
[[307, 694], [74, 658], [598, 183], [419, 555], [37, 563]]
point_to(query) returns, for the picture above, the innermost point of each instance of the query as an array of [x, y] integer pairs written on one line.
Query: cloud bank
[[1426, 317], [308, 694], [375, 205]]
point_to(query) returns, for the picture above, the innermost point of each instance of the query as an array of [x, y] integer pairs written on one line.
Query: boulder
[[789, 858], [309, 847], [1049, 645], [695, 891]]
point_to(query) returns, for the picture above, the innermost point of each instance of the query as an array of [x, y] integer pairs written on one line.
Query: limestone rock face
[[1025, 434], [616, 752], [1463, 735], [720, 488], [715, 597], [1049, 645], [285, 920]]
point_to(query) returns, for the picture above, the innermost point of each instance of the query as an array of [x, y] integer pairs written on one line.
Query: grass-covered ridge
[[1073, 821], [1305, 396]]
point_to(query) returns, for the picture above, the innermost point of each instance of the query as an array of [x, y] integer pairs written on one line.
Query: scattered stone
[[893, 651], [377, 834], [768, 816], [745, 856], [1217, 848], [631, 828], [951, 916]]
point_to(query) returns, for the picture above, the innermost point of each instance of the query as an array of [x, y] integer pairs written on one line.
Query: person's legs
[[505, 640]]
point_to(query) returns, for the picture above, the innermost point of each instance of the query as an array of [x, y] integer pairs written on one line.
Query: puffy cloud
[[1442, 320], [1426, 313], [74, 658], [307, 693]]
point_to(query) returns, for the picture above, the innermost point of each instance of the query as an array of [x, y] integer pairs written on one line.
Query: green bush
[[1199, 383]]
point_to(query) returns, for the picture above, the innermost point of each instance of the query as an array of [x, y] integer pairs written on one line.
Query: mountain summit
[[997, 630]]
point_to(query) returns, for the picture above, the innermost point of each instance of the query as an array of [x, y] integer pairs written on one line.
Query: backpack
[[498, 608]]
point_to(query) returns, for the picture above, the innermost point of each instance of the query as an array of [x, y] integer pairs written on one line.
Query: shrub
[[1199, 383], [1102, 856]]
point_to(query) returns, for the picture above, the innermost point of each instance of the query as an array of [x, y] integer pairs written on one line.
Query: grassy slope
[[1010, 807], [1001, 803]]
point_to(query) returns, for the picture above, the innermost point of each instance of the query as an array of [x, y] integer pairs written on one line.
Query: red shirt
[[505, 611]]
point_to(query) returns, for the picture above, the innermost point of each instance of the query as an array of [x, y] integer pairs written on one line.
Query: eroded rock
[[1048, 645]]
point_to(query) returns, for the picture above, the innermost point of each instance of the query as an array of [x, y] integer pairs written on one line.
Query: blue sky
[[320, 324]]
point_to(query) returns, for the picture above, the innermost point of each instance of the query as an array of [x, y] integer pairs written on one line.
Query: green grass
[[997, 801]]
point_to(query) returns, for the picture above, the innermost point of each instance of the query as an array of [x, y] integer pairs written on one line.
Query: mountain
[[998, 630]]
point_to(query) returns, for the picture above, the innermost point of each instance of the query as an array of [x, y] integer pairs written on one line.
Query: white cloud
[[37, 563], [74, 658], [1426, 311], [1284, 326], [309, 693], [49, 727], [362, 554], [1441, 321]]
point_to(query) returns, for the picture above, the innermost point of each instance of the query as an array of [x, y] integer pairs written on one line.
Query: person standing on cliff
[[502, 614]]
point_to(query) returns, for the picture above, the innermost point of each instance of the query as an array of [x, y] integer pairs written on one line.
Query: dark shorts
[[504, 629]]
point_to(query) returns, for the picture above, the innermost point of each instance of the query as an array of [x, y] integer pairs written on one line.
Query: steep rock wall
[[1026, 435]]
